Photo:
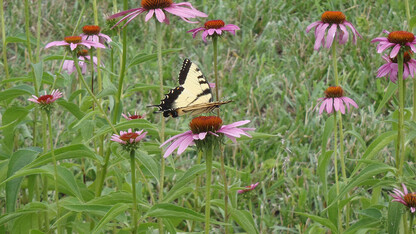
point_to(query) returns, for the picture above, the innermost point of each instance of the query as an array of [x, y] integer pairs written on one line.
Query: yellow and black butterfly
[[192, 96]]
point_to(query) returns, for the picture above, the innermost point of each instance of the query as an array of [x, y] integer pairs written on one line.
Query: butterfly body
[[192, 96]]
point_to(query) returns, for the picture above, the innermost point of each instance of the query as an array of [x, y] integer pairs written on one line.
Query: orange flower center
[[156, 4], [44, 98], [73, 39], [406, 57], [333, 17], [401, 37], [334, 92], [214, 24], [410, 199], [128, 136], [83, 52], [205, 124], [91, 29]]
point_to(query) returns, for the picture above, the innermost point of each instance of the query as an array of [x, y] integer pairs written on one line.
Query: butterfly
[[192, 96]]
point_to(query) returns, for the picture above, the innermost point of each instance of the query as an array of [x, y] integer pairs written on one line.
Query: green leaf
[[38, 73], [26, 172], [378, 144], [363, 225], [366, 174], [412, 22], [86, 117], [107, 92], [112, 198], [56, 57], [323, 162], [67, 183], [140, 58], [110, 215], [172, 211], [10, 119], [358, 137], [149, 163], [394, 216], [323, 221], [67, 152], [391, 89], [135, 123], [17, 161], [189, 175], [21, 38], [72, 108], [141, 87], [100, 210], [244, 219], [16, 91]]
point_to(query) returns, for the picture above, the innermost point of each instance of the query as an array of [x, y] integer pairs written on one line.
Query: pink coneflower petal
[[314, 24], [395, 51], [345, 34], [330, 36], [56, 43]]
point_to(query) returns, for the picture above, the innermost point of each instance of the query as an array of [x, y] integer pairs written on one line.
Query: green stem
[[133, 185], [197, 185], [45, 178], [208, 163], [55, 170], [122, 71], [400, 133], [341, 147], [81, 78], [3, 36], [103, 173], [217, 92], [159, 41], [411, 223], [152, 198], [38, 30], [336, 170], [406, 5], [99, 79], [27, 27], [334, 63], [224, 177]]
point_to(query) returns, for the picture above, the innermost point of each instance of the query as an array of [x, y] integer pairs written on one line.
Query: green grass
[[274, 77]]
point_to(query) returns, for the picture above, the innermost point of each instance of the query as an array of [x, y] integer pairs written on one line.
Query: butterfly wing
[[193, 95]]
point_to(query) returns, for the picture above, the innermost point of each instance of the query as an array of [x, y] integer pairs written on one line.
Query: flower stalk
[[215, 47], [159, 41], [55, 170], [122, 71], [224, 176], [3, 36], [336, 170], [400, 130], [133, 185], [208, 171], [81, 78]]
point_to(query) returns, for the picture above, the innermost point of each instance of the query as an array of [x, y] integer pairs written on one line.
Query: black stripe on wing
[[170, 98], [184, 71]]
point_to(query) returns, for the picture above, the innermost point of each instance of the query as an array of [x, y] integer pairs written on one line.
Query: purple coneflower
[[397, 40], [391, 67], [156, 7], [406, 198], [202, 128], [73, 42], [213, 28], [129, 139], [45, 101], [248, 188], [92, 33], [134, 116], [335, 99], [332, 20], [83, 56]]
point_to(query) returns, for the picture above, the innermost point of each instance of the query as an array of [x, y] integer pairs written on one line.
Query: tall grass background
[[269, 70]]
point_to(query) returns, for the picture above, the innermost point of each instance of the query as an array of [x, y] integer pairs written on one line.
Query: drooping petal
[[344, 36], [395, 50], [160, 16], [329, 105], [330, 36], [149, 15], [56, 43], [175, 137], [184, 144], [310, 26], [124, 13]]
